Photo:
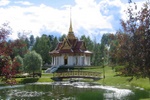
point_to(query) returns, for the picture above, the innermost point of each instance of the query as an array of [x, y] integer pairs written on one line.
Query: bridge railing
[[77, 73]]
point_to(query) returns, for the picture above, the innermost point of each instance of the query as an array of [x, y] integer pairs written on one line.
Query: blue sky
[[89, 17]]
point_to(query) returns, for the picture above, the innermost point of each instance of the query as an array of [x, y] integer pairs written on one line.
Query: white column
[[69, 61], [78, 60], [74, 60], [54, 60], [62, 60], [57, 61], [85, 60], [88, 60]]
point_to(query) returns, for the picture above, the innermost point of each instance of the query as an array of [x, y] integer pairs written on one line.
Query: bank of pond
[[71, 91], [112, 87]]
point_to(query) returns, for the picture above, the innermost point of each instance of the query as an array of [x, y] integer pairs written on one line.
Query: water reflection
[[69, 91]]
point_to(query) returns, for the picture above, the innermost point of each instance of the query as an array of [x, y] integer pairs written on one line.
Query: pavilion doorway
[[65, 60]]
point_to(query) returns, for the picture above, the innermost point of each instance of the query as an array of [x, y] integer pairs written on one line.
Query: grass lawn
[[111, 78], [46, 77]]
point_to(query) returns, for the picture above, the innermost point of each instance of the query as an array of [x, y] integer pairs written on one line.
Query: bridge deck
[[76, 74]]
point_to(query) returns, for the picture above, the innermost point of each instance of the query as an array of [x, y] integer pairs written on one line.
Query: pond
[[70, 91]]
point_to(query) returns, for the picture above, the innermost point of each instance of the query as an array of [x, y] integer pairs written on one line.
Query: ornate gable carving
[[65, 44], [83, 47]]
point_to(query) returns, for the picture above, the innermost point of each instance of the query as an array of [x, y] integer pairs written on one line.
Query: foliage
[[106, 48], [20, 67], [53, 42], [43, 46], [27, 43], [32, 40], [19, 48], [91, 46], [7, 63], [7, 69], [137, 49], [62, 37], [119, 68], [33, 62], [88, 42], [29, 80], [96, 57]]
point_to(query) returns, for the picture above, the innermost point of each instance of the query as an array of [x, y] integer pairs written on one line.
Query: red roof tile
[[76, 47]]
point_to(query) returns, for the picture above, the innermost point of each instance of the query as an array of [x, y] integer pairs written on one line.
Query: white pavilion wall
[[57, 60], [87, 60], [72, 60]]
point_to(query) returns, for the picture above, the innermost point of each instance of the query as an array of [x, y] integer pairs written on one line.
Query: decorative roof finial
[[70, 28], [70, 33]]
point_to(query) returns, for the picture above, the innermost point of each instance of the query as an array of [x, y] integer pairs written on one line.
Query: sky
[[52, 17]]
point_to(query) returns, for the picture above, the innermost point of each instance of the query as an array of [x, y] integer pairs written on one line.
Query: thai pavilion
[[71, 51]]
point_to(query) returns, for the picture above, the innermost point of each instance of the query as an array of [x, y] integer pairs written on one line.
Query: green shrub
[[29, 80], [44, 67], [19, 76], [119, 68]]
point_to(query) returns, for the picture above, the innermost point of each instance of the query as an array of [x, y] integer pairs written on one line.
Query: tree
[[7, 64], [53, 42], [89, 43], [33, 62], [105, 48], [32, 40], [62, 37], [138, 51], [42, 46], [20, 67], [19, 48], [96, 57], [27, 42]]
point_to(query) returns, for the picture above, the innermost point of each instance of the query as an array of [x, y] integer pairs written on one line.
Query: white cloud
[[137, 5], [4, 2], [88, 17], [24, 3]]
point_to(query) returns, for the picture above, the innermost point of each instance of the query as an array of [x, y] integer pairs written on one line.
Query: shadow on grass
[[29, 80]]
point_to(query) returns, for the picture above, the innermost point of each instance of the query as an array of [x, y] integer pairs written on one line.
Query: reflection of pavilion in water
[[68, 91], [71, 51], [89, 91]]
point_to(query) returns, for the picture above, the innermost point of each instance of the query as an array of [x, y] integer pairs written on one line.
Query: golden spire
[[70, 33], [70, 28]]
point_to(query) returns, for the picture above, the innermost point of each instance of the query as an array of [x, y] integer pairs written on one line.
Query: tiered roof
[[71, 44]]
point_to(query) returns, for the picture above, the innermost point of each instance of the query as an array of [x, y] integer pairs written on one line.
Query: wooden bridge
[[59, 76]]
